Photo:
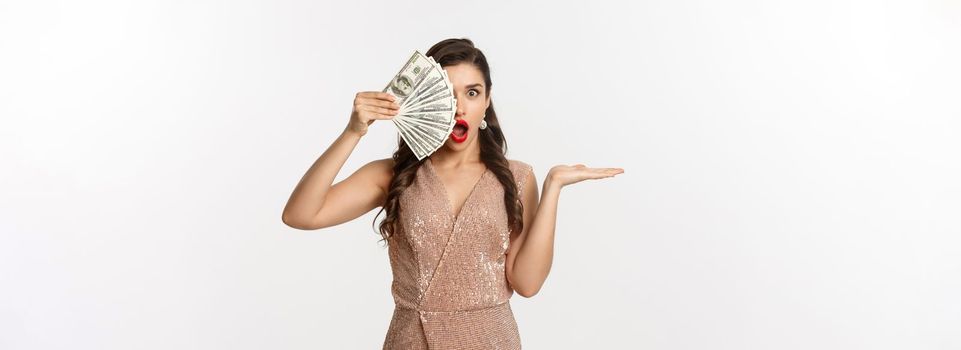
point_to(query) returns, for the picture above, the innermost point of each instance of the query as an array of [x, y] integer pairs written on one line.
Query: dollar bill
[[428, 106], [409, 78]]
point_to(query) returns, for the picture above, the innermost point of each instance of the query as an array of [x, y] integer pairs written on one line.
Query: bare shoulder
[[382, 164], [523, 172], [519, 166], [378, 171]]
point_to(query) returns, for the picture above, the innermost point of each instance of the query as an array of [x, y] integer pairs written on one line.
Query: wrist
[[551, 183], [351, 133]]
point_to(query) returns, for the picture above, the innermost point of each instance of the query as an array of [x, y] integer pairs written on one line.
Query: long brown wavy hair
[[493, 146]]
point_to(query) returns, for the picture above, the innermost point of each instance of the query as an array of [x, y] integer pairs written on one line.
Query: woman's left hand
[[563, 175]]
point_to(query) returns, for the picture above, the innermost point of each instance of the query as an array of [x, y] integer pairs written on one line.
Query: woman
[[455, 221]]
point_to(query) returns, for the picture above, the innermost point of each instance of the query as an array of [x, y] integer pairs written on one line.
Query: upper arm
[[529, 197], [356, 195]]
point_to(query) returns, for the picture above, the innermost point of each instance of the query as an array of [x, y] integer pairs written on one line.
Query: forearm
[[534, 259], [309, 195]]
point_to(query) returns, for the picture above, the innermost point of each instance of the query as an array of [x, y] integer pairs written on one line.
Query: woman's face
[[472, 101]]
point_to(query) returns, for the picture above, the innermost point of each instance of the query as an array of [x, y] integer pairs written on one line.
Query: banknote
[[427, 104]]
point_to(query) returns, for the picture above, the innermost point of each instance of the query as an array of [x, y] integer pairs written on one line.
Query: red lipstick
[[461, 128]]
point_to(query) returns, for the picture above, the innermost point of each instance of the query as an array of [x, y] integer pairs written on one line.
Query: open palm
[[564, 175]]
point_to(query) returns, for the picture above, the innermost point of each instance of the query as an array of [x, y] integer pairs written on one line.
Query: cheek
[[478, 115], [477, 108]]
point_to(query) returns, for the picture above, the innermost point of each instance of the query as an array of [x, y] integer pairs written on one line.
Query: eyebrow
[[474, 85]]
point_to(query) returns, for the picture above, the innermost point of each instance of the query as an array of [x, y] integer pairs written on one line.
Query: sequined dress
[[449, 284]]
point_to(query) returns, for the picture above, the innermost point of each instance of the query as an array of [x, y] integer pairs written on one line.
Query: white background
[[791, 170]]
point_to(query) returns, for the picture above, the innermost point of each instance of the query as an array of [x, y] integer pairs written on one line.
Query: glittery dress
[[450, 287]]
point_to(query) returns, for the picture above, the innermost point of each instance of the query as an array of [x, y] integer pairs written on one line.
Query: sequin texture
[[450, 285]]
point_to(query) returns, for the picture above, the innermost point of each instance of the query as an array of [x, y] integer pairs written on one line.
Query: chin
[[455, 146]]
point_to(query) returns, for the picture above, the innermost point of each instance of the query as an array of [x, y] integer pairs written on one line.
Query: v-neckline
[[450, 206]]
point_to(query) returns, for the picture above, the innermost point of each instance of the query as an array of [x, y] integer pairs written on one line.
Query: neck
[[447, 158]]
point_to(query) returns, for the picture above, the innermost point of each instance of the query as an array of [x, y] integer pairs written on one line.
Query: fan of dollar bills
[[427, 104]]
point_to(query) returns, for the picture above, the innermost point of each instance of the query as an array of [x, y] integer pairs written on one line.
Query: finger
[[599, 173], [379, 116], [606, 170], [377, 95], [378, 103], [598, 177], [375, 115], [611, 172], [375, 109]]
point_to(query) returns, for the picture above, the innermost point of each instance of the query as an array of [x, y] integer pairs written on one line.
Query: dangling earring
[[483, 124]]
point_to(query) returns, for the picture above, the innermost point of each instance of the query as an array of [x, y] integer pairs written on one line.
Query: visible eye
[[472, 92]]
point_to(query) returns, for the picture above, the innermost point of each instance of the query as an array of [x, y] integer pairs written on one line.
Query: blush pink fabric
[[450, 288]]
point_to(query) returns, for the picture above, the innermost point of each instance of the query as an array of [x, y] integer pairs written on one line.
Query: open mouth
[[459, 134]]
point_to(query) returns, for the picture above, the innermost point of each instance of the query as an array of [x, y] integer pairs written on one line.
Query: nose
[[460, 111]]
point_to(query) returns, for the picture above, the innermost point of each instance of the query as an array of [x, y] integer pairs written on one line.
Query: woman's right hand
[[370, 106]]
